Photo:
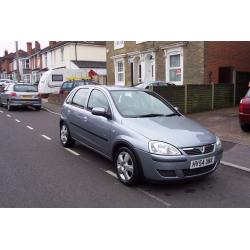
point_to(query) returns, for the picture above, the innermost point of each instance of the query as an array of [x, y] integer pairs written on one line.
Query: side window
[[79, 98], [98, 99]]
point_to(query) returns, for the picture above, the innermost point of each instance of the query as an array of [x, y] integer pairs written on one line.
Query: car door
[[99, 127], [76, 114]]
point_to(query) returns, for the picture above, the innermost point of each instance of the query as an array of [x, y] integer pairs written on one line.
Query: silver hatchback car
[[20, 95], [144, 136]]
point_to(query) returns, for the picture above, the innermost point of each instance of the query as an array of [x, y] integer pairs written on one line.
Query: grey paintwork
[[103, 134], [18, 100]]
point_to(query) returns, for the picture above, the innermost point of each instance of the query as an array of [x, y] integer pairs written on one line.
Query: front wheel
[[65, 137], [127, 167]]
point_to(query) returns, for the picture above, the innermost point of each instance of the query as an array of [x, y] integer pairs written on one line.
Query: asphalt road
[[36, 171]]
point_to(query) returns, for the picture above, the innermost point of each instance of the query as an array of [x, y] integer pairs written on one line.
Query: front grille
[[167, 173], [199, 150], [196, 171]]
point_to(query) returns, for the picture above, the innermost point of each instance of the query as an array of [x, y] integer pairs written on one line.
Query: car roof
[[114, 87]]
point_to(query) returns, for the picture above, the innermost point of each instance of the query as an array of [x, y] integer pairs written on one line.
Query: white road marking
[[166, 204], [72, 152], [8, 115], [111, 173], [17, 120], [1, 111], [29, 127], [46, 137], [51, 111], [228, 164]]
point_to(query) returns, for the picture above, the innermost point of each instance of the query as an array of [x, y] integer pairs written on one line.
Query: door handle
[[85, 118]]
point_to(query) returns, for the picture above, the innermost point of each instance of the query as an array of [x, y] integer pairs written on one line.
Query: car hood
[[176, 130]]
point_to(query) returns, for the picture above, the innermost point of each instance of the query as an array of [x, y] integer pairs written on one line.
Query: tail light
[[13, 94], [241, 106]]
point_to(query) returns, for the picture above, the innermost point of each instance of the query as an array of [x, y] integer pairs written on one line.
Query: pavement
[[36, 171]]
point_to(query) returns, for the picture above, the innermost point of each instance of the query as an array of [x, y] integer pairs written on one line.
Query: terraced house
[[188, 62]]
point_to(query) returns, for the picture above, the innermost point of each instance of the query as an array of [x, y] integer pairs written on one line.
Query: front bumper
[[170, 168]]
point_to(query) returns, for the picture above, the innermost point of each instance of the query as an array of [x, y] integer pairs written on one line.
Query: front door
[[99, 127]]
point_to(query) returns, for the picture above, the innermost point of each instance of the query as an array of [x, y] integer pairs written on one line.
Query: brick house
[[5, 62], [194, 62], [24, 66]]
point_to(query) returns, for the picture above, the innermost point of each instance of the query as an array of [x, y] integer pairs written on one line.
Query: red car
[[244, 115]]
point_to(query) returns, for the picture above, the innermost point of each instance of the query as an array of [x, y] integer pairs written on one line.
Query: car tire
[[1, 105], [245, 127], [65, 136], [127, 167], [38, 108], [9, 107]]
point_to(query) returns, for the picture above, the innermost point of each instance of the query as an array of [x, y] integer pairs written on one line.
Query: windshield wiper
[[149, 115], [172, 114]]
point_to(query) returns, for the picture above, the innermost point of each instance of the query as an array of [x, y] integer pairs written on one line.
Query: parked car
[[140, 132], [4, 81], [69, 85], [19, 95], [244, 112], [146, 85]]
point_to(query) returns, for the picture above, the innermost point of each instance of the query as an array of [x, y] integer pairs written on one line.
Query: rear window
[[67, 85], [248, 93], [25, 88]]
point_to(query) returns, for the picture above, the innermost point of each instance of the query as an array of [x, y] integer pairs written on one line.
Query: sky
[[10, 46]]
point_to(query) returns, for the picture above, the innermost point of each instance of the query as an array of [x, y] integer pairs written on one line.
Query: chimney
[[6, 52], [29, 48], [52, 43], [37, 45]]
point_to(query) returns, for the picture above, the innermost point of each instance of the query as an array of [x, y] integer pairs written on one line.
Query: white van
[[52, 80]]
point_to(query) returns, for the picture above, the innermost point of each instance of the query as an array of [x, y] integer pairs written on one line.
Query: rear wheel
[[9, 107], [245, 127], [127, 167], [38, 108], [65, 137]]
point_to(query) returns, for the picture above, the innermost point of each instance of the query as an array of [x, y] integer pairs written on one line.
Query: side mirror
[[100, 112]]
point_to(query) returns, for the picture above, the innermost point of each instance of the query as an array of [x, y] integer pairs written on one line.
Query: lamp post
[[17, 63]]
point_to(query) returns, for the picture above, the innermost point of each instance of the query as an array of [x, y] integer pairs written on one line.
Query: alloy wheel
[[64, 134], [125, 166]]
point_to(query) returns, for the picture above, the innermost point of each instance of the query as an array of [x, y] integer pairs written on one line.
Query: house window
[[26, 64], [62, 54], [175, 68], [26, 78], [118, 44], [119, 72], [45, 59], [174, 65]]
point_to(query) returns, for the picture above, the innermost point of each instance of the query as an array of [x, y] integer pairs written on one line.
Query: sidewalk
[[224, 123]]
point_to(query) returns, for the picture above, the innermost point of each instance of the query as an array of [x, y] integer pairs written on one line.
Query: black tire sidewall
[[136, 175], [70, 142]]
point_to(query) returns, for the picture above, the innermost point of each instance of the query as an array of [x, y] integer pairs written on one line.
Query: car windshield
[[133, 103], [25, 88]]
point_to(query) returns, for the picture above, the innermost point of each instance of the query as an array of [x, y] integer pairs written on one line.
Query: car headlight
[[218, 143], [162, 148]]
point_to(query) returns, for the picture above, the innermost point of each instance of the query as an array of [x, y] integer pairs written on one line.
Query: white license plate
[[201, 162]]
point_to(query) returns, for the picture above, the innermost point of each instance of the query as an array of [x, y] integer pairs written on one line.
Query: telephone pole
[[17, 63]]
